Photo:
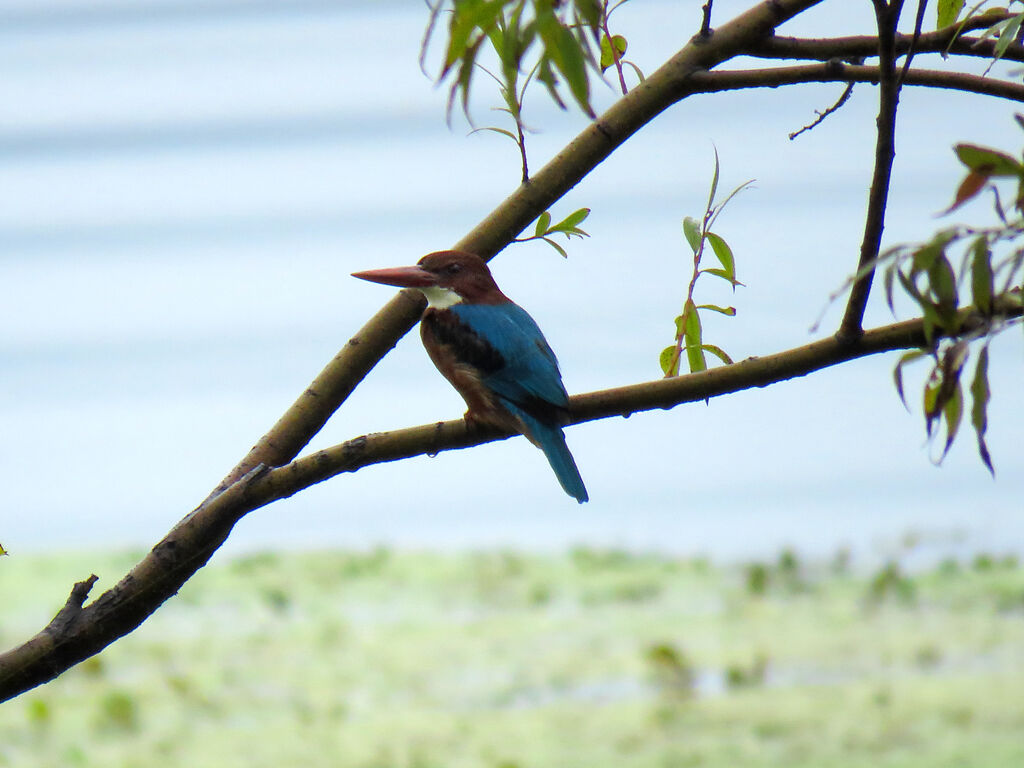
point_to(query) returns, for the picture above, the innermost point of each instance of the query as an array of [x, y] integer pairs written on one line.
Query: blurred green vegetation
[[509, 660]]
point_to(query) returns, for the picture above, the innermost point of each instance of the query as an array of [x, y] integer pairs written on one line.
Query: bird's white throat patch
[[441, 298]]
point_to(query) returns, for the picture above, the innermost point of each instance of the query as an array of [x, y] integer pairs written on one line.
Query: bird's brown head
[[445, 277]]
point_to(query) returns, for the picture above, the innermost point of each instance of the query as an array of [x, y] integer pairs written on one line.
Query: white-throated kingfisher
[[492, 352]]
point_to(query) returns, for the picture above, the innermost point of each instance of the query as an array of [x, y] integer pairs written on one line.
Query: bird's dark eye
[[453, 269]]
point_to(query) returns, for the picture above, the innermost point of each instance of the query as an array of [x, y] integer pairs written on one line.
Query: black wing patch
[[467, 347]]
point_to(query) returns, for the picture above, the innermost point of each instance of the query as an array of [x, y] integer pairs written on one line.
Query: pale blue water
[[183, 194]]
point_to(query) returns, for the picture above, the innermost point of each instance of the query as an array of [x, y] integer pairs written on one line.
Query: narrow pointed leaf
[[573, 220], [922, 259], [556, 246], [952, 411], [730, 311], [636, 70], [495, 129], [888, 277], [724, 254], [897, 372], [565, 53], [981, 276], [980, 395], [717, 352], [1008, 36], [720, 273], [714, 182], [694, 352], [931, 400], [942, 280]]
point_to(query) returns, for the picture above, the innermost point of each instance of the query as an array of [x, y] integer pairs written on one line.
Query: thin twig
[[822, 116], [918, 23], [705, 24]]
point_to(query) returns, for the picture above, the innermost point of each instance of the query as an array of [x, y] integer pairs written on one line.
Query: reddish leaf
[[972, 184]]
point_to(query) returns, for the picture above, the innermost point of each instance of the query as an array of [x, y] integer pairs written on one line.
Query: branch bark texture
[[887, 16]]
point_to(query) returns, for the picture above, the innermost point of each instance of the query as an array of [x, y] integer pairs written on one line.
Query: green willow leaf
[[636, 70], [572, 221], [980, 395], [495, 129], [694, 352], [922, 259], [1007, 36], [952, 412], [910, 287], [669, 361], [897, 373], [563, 50], [888, 277], [948, 12], [608, 59], [730, 311], [724, 254], [556, 246], [931, 400], [590, 12], [722, 274], [543, 222], [717, 352], [714, 183], [691, 229], [942, 280], [982, 285]]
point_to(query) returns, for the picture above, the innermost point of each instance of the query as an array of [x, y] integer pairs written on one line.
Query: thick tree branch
[[661, 393], [641, 105], [190, 544], [887, 15]]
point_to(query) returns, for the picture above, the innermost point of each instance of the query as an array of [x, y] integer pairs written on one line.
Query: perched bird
[[492, 352]]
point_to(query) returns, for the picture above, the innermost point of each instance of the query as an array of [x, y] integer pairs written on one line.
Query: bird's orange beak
[[401, 277]]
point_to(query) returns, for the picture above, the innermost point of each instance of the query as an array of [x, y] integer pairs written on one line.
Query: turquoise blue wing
[[530, 371]]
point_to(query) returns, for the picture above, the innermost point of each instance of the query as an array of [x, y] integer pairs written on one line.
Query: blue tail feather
[[550, 439]]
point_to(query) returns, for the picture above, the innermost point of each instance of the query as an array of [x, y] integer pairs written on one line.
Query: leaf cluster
[[989, 275], [565, 33], [1006, 29], [569, 226], [688, 327]]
